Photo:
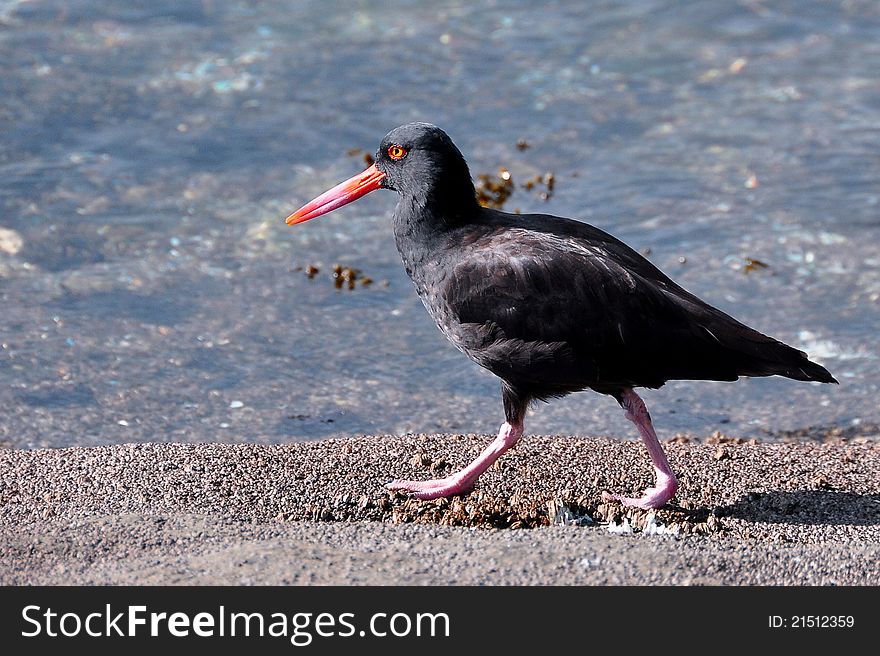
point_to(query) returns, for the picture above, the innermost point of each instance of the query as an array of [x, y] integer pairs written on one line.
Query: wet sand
[[316, 513]]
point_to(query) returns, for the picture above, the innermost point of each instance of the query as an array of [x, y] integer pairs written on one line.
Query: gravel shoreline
[[316, 513]]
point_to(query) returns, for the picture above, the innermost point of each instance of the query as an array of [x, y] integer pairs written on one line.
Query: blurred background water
[[151, 149]]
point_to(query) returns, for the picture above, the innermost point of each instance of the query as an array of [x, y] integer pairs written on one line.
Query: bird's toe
[[652, 499], [432, 489]]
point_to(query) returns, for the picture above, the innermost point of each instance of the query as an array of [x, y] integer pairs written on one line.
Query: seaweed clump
[[345, 276], [494, 190]]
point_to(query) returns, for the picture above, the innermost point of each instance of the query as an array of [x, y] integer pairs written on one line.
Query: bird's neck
[[436, 208], [425, 228]]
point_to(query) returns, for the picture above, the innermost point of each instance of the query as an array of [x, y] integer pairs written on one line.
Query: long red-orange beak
[[341, 194]]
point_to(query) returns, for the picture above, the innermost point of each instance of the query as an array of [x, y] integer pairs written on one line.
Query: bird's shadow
[[814, 507]]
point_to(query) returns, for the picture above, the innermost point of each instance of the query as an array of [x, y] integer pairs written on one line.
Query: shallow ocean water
[[149, 289]]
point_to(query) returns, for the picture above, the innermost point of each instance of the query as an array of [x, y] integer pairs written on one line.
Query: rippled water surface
[[149, 289]]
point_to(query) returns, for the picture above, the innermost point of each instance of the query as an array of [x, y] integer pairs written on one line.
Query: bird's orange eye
[[397, 152]]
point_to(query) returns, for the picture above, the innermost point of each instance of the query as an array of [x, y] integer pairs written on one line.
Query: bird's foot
[[653, 498], [433, 489], [463, 480]]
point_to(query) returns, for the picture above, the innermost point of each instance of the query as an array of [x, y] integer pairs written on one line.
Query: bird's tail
[[803, 368], [760, 355]]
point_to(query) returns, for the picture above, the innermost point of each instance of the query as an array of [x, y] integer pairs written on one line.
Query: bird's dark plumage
[[550, 305]]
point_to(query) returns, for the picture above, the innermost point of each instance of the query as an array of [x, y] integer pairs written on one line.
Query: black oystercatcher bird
[[547, 304]]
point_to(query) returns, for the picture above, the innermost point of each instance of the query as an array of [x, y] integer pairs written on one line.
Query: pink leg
[[463, 481], [666, 485]]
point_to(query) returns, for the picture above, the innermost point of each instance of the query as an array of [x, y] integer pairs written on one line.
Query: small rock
[[737, 65], [821, 483], [10, 241], [722, 454]]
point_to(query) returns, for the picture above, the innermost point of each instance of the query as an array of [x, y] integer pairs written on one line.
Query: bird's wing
[[553, 300], [542, 288], [557, 305]]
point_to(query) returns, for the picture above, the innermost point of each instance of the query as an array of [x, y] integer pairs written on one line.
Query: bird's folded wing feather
[[590, 296], [560, 289]]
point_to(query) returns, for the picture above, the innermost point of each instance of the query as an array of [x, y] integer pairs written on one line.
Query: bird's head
[[417, 160]]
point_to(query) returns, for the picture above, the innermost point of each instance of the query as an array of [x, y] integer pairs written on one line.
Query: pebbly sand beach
[[317, 513]]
